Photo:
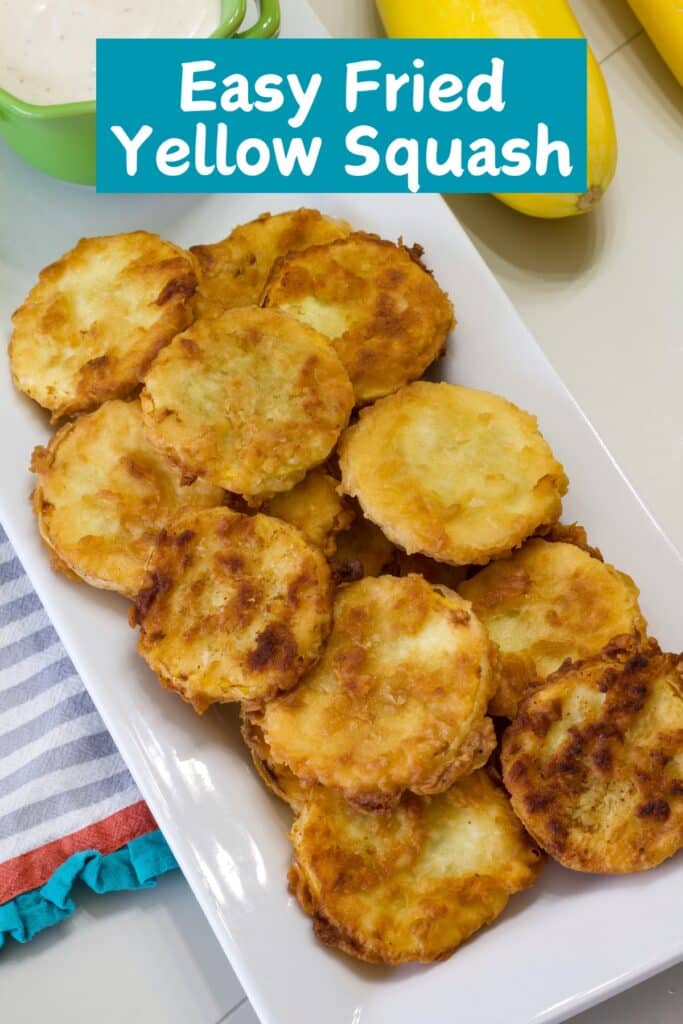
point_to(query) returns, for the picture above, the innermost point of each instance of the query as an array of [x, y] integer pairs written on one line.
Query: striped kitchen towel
[[64, 788]]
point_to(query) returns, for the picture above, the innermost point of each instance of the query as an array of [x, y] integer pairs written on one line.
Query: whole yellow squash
[[663, 22], [521, 19]]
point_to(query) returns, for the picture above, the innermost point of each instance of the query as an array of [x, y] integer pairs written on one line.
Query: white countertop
[[604, 296]]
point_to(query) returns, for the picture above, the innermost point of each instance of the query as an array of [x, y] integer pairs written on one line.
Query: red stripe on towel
[[32, 869]]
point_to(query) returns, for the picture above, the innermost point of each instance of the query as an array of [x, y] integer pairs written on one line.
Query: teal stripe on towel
[[135, 866]]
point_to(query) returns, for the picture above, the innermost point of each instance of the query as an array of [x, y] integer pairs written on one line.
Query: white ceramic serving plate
[[566, 944]]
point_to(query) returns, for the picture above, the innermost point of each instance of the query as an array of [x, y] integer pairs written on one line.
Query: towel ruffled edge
[[137, 865]]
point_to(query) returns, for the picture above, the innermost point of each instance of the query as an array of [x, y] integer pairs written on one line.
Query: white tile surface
[[607, 23], [603, 296], [241, 1014], [145, 956], [657, 1001]]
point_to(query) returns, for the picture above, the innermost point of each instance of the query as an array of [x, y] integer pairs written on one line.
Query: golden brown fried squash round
[[104, 493], [569, 533], [233, 272], [386, 315], [453, 473], [360, 551], [96, 319], [236, 607], [544, 604], [415, 883], [594, 760], [250, 400], [315, 507], [397, 701], [277, 778], [435, 572]]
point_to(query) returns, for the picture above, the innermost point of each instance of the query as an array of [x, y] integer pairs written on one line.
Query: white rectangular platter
[[566, 944]]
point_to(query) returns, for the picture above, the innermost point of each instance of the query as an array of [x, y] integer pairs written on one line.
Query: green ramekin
[[59, 139]]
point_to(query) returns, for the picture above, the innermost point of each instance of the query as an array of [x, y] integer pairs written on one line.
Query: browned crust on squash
[[603, 792]]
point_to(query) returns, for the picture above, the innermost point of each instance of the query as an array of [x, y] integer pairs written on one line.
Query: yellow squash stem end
[[602, 159]]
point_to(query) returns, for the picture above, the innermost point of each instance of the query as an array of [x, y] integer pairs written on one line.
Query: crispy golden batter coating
[[363, 550], [236, 608], [104, 493], [277, 778], [569, 533], [315, 507], [96, 319], [546, 603], [360, 551], [233, 272], [435, 572], [251, 400], [453, 473], [594, 760], [397, 701], [415, 883], [386, 315]]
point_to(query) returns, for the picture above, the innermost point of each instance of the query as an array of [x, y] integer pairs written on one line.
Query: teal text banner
[[346, 115]]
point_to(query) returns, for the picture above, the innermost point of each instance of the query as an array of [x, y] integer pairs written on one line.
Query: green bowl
[[60, 138]]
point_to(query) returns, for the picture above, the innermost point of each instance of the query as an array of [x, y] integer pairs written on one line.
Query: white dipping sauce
[[47, 47]]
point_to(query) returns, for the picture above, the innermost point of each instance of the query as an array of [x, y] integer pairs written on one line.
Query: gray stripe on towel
[[58, 671], [66, 711], [18, 609], [42, 811], [87, 748], [29, 645], [11, 570]]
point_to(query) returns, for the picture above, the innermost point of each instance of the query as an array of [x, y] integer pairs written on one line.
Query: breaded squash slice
[[435, 572], [397, 701], [415, 883], [569, 533], [386, 315], [91, 326], [250, 400], [361, 550], [103, 493], [594, 760], [233, 272], [452, 473], [316, 508], [277, 778], [547, 603], [236, 607]]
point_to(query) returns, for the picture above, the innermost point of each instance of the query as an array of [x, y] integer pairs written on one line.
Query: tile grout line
[[233, 1010], [621, 46]]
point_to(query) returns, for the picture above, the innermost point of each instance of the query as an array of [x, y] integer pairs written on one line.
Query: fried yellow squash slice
[[385, 313], [415, 883], [546, 603], [236, 607], [96, 319], [361, 550], [453, 473], [397, 701], [103, 493], [594, 760], [315, 507], [250, 400], [233, 272], [279, 779], [435, 572]]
